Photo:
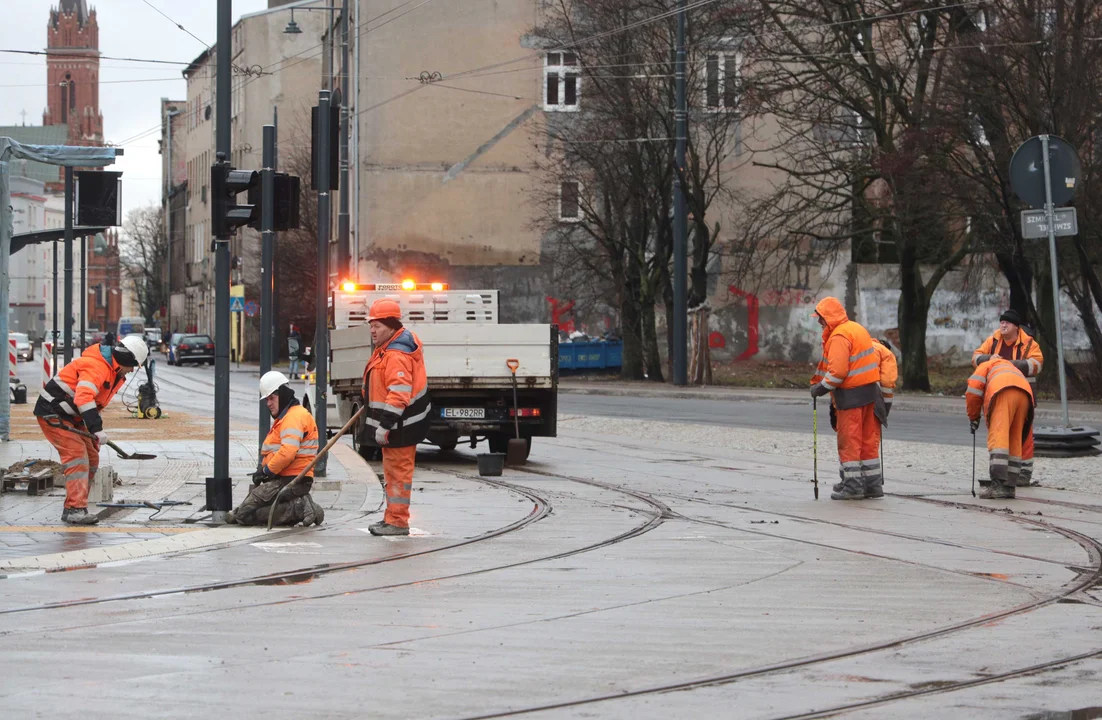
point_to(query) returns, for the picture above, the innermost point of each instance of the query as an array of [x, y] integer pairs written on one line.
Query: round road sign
[[1027, 171], [251, 308]]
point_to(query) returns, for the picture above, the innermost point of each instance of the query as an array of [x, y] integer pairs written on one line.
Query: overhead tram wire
[[101, 57]]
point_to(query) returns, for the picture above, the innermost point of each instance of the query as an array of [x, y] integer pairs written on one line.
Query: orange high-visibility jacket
[[850, 366], [291, 444], [396, 391], [889, 371], [990, 379], [1025, 350], [83, 388]]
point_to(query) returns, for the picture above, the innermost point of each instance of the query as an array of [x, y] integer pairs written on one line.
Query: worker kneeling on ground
[[68, 411], [889, 373], [850, 372], [1002, 393], [395, 389], [291, 445], [1012, 343]]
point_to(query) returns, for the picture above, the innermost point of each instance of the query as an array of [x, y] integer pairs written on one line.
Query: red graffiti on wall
[[752, 328], [558, 310], [789, 297]]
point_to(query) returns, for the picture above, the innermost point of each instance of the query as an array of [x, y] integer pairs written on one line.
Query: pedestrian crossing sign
[[237, 304]]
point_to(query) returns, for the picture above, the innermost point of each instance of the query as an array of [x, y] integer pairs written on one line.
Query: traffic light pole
[[1055, 282], [346, 267], [267, 257], [321, 331], [680, 233], [68, 317], [220, 486]]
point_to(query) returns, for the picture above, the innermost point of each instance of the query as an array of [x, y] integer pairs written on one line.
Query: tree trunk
[[632, 368], [650, 338], [1019, 276], [1046, 335], [914, 307], [698, 273]]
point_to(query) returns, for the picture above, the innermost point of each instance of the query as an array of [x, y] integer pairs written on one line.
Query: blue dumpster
[[580, 356]]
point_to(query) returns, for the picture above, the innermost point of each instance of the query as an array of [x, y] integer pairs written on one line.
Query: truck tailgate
[[459, 355]]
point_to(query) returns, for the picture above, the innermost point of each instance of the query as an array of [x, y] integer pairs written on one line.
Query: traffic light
[[287, 192], [226, 182]]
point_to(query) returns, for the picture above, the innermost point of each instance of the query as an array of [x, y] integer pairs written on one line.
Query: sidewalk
[[1048, 409], [32, 536]]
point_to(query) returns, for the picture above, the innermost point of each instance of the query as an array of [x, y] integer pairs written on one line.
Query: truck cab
[[467, 361]]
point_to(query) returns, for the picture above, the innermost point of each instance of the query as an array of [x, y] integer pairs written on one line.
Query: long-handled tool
[[973, 463], [347, 426], [516, 453], [815, 442], [57, 423]]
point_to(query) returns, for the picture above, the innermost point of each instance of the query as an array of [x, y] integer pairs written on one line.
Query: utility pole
[[53, 330], [68, 337], [344, 263], [220, 487], [169, 187], [1055, 281], [267, 262], [680, 231], [83, 288], [321, 331]]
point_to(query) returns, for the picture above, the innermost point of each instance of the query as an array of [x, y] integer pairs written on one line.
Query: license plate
[[464, 413]]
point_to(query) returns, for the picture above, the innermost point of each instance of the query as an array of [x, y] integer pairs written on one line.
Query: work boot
[[319, 512], [78, 516], [387, 529], [998, 491], [231, 519], [985, 483], [852, 489]]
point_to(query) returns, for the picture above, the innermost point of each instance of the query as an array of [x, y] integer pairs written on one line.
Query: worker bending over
[[1001, 392], [395, 389], [291, 445], [1012, 343], [850, 372], [68, 411]]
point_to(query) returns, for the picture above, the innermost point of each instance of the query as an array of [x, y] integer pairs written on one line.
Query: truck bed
[[458, 356]]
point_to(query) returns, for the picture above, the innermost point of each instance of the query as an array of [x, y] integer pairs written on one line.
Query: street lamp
[[293, 28]]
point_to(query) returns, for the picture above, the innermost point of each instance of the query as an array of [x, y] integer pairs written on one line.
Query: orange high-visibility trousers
[[398, 472], [79, 461], [1006, 417], [859, 445], [1027, 460]]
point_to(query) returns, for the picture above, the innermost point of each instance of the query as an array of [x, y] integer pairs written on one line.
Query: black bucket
[[491, 464]]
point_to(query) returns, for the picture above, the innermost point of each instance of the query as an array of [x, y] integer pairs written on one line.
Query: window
[[570, 207], [721, 90], [561, 80]]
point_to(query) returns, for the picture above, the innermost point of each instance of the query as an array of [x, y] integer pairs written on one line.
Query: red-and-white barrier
[[47, 362], [11, 357]]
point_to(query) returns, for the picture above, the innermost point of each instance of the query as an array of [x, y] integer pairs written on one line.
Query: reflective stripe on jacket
[[988, 380], [396, 390], [83, 388], [1025, 349], [291, 444], [850, 368]]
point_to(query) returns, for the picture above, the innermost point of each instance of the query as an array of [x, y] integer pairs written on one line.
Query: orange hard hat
[[385, 308]]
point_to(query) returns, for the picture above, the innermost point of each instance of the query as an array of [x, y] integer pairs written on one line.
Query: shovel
[[517, 451], [54, 422]]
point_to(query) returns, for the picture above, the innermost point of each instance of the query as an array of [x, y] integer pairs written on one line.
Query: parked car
[[23, 348], [194, 349], [153, 337], [173, 341]]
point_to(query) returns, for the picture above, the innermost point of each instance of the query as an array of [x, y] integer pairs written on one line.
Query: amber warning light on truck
[[408, 285]]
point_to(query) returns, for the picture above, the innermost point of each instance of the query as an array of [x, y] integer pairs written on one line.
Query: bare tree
[[617, 73], [144, 252]]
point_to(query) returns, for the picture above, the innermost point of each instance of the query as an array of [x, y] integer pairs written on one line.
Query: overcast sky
[[130, 93]]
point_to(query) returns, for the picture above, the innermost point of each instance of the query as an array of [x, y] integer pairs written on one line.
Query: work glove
[[262, 475], [818, 390], [974, 425], [381, 436], [982, 359], [101, 438], [1021, 365]]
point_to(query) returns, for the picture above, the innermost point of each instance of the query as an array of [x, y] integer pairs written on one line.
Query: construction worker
[[395, 389], [1012, 343], [889, 373], [68, 411], [291, 445], [850, 372], [1000, 390]]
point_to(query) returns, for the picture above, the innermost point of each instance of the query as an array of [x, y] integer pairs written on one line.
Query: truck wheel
[[447, 445]]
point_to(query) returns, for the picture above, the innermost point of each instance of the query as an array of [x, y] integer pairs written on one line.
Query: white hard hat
[[132, 353], [272, 381]]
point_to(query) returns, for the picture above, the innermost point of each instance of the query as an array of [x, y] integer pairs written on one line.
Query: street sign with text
[[1035, 225]]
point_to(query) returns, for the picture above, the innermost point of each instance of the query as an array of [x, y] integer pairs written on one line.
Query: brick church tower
[[73, 72]]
